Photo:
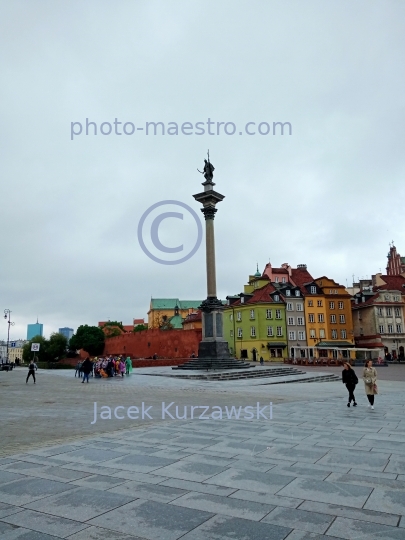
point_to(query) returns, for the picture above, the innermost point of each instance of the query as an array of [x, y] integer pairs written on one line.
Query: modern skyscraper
[[67, 332], [33, 330]]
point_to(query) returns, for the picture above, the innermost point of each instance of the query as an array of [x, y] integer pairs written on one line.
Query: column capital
[[209, 212]]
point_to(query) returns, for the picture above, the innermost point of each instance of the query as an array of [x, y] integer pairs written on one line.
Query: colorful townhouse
[[255, 321]]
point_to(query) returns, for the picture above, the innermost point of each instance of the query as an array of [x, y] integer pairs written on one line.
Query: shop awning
[[276, 345]]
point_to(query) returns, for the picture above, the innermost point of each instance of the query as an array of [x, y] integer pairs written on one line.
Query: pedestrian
[[87, 366], [370, 382], [128, 365], [349, 378], [32, 368], [78, 369], [122, 367], [261, 360], [155, 356]]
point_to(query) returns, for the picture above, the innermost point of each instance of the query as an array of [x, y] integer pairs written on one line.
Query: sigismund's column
[[213, 345]]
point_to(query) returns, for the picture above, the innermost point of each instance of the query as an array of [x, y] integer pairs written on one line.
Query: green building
[[255, 322]]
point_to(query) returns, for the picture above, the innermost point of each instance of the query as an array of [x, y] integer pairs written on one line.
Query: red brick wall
[[165, 343]]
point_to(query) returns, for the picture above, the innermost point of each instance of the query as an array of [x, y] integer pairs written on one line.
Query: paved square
[[316, 471]]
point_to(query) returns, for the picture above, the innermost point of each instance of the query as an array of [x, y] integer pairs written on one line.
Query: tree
[[56, 347], [114, 323], [112, 331], [140, 327], [89, 338]]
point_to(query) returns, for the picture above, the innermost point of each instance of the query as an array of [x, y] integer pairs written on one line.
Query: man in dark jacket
[[32, 367], [87, 367], [349, 378]]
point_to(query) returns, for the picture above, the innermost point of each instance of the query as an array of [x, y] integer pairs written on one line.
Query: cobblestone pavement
[[315, 470]]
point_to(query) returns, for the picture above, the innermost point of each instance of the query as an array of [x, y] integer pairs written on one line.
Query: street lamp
[[7, 314]]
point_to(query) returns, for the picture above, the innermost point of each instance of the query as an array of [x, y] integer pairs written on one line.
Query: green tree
[[89, 338], [140, 327], [114, 323], [56, 347]]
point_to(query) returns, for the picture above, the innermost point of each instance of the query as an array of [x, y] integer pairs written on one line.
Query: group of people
[[111, 366], [350, 379]]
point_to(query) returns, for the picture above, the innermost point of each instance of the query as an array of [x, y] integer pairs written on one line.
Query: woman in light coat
[[370, 382]]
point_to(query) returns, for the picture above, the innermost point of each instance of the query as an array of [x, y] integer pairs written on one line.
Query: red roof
[[395, 283], [259, 295], [301, 277]]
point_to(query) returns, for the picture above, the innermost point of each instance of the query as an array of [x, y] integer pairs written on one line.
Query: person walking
[[122, 367], [128, 365], [87, 367], [32, 368], [370, 382], [78, 369], [349, 378]]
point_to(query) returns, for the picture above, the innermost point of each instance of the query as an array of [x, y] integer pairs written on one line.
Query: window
[[397, 298], [253, 331], [276, 280], [297, 292], [380, 312], [252, 313], [312, 333], [397, 312], [321, 333], [278, 314], [291, 335], [381, 328], [399, 328], [239, 332], [290, 320], [283, 280], [231, 317], [321, 317], [288, 292], [270, 331], [311, 317], [343, 334], [301, 335], [238, 316], [389, 312], [310, 303], [276, 298], [242, 299], [313, 289], [331, 305], [342, 319], [300, 321], [231, 333], [330, 291], [279, 331], [390, 329], [340, 305], [299, 307], [319, 303], [333, 319], [268, 314], [290, 307], [334, 334]]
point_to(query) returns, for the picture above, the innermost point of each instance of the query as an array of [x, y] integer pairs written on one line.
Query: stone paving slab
[[81, 504], [45, 523], [299, 519], [334, 493], [251, 480], [353, 513], [352, 529], [151, 492], [230, 528], [97, 533], [152, 520], [224, 505], [28, 490], [386, 500]]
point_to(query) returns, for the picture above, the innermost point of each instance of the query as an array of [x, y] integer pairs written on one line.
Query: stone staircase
[[275, 375], [207, 364]]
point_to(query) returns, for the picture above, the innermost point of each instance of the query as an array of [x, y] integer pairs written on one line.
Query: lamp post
[[7, 314]]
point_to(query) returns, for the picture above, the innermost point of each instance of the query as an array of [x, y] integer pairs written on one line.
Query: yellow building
[[15, 352], [170, 312]]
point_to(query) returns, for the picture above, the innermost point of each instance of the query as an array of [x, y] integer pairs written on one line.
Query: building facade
[[396, 263], [67, 332], [378, 316], [170, 312], [36, 329]]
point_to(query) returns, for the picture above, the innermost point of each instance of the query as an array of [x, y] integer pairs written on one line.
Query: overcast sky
[[330, 195]]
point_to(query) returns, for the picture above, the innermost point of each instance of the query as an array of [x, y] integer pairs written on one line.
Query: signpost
[[35, 349]]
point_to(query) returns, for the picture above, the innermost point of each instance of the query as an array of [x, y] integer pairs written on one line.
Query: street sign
[[35, 347]]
